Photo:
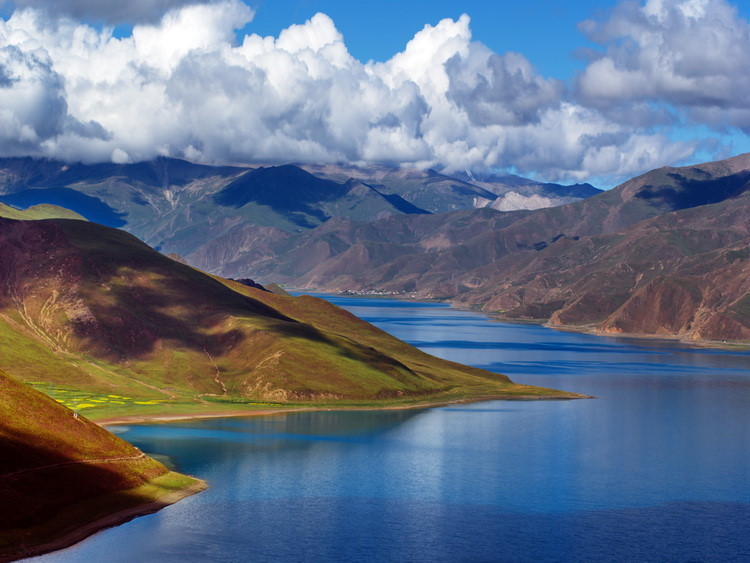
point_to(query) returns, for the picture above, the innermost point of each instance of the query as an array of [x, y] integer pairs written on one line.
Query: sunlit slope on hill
[[37, 212], [60, 474], [93, 308]]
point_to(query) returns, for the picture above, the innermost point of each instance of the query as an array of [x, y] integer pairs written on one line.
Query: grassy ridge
[[104, 313], [38, 212]]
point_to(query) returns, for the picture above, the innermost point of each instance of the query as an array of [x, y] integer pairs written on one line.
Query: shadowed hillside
[[105, 313], [63, 477]]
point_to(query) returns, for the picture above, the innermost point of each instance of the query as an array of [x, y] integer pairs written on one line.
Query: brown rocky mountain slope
[[685, 273], [675, 222]]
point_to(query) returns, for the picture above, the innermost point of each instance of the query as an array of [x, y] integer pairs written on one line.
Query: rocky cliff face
[[683, 274]]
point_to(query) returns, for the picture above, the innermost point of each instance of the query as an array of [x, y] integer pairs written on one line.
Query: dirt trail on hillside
[[67, 463]]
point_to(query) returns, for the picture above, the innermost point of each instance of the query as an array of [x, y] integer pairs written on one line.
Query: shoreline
[[80, 533], [159, 418], [581, 329], [706, 344]]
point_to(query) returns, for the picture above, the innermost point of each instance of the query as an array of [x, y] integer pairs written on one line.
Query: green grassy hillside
[[37, 212], [105, 314], [61, 474]]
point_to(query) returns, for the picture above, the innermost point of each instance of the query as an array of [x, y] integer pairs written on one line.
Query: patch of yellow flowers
[[77, 400]]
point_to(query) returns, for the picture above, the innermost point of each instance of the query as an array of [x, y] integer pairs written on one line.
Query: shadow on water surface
[[580, 367], [311, 424], [223, 439], [469, 409]]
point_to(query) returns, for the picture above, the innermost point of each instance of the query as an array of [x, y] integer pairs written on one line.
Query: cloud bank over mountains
[[184, 86], [108, 11]]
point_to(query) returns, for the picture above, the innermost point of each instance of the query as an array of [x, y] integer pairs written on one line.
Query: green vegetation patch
[[241, 401], [38, 212], [91, 403]]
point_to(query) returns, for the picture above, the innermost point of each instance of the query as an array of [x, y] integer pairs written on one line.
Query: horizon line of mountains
[[665, 253]]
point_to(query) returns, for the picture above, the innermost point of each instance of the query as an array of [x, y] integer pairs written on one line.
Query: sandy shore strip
[[80, 533], [151, 418], [148, 418]]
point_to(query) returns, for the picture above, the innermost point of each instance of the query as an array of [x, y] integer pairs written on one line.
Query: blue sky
[[585, 91], [543, 30], [546, 31]]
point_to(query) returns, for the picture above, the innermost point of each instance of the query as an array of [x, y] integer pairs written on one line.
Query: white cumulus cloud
[[691, 55], [184, 86]]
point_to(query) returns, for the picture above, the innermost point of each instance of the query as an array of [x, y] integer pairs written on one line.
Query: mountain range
[[664, 253], [678, 233], [177, 206]]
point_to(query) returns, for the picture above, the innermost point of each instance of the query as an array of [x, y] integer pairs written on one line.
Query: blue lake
[[656, 468]]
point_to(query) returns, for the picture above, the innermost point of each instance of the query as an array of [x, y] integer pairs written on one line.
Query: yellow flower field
[[76, 400]]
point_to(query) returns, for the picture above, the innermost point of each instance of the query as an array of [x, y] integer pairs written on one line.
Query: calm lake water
[[656, 468]]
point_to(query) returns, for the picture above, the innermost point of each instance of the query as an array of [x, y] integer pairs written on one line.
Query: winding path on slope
[[66, 463]]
